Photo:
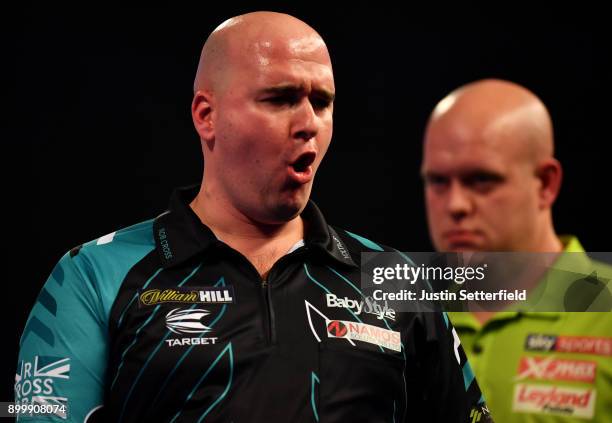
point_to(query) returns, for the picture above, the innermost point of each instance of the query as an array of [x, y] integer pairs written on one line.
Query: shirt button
[[477, 348]]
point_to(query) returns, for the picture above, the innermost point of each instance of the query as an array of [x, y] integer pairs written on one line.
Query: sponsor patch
[[551, 368], [37, 380], [557, 400], [367, 305], [190, 341], [188, 321], [480, 414], [569, 344], [539, 342], [363, 332], [584, 345], [187, 295]]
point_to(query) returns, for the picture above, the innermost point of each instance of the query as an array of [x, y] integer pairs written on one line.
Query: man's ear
[[550, 174], [202, 115]]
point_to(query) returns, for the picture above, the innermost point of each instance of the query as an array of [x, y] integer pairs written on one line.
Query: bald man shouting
[[240, 303], [490, 182]]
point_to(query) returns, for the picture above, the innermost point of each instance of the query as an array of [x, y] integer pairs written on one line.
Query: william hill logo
[[204, 295]]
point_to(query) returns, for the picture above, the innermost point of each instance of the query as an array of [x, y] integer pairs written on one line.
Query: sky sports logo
[[569, 344]]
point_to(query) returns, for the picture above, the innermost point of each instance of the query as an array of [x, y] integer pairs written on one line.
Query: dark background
[[103, 131]]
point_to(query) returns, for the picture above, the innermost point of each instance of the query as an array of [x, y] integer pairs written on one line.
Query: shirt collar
[[180, 235], [566, 262]]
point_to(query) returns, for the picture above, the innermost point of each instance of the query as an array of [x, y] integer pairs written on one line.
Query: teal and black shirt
[[163, 322]]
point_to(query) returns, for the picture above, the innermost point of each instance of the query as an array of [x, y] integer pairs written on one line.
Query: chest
[[544, 367], [305, 325]]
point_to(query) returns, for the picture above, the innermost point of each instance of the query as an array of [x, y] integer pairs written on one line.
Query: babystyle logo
[[368, 305], [563, 401], [549, 368]]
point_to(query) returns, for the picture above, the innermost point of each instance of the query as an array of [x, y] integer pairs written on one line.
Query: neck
[[548, 241], [261, 243]]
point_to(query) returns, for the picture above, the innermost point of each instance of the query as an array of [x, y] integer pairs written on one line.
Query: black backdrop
[[103, 129]]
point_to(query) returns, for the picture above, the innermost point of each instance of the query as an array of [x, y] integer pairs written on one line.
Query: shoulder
[[355, 244], [113, 253], [358, 242]]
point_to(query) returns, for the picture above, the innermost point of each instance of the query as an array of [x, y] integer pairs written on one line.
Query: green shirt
[[544, 367]]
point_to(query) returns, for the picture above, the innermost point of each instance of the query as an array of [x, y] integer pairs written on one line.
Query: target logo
[[336, 329]]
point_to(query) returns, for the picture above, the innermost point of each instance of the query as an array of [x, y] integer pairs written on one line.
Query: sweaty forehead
[[299, 60], [263, 48], [303, 75]]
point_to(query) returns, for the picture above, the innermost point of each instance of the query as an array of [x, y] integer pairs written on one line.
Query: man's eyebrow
[[468, 173], [325, 95], [480, 171], [430, 173], [290, 89]]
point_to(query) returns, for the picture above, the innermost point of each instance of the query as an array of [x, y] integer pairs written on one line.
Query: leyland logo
[[557, 400]]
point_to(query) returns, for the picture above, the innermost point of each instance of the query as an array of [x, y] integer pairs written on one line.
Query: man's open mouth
[[303, 162]]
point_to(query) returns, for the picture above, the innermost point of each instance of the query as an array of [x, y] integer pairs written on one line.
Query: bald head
[[251, 40], [495, 111], [263, 108], [489, 171]]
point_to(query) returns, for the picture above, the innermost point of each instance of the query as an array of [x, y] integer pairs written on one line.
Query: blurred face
[[481, 192], [273, 125]]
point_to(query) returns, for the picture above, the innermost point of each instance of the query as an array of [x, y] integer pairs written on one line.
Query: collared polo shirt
[[163, 322]]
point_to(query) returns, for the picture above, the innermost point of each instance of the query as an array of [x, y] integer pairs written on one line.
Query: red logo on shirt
[[584, 345], [336, 328], [549, 368], [557, 400]]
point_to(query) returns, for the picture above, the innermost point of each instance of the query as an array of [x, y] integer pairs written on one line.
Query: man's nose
[[459, 201], [305, 122]]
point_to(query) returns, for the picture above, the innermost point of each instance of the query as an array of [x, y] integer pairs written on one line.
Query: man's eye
[[482, 182], [276, 100], [434, 180], [483, 178], [320, 103]]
